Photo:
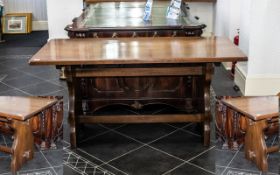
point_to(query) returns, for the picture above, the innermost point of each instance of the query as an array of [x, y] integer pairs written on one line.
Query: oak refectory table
[[144, 61]]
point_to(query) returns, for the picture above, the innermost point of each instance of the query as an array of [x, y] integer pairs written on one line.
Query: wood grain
[[164, 118], [256, 108], [258, 111], [137, 51], [22, 108]]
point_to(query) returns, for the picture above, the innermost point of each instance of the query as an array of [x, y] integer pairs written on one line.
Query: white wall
[[245, 25], [60, 14], [265, 38], [222, 18], [227, 20], [205, 12], [37, 7], [259, 38]]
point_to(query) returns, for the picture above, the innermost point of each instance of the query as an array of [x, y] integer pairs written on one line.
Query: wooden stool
[[15, 112], [258, 111]]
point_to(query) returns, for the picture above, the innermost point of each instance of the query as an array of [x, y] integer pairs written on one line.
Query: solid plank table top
[[138, 51], [22, 108], [257, 108]]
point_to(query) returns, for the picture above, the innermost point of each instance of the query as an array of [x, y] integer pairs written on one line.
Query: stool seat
[[23, 108], [257, 111], [16, 112], [256, 108]]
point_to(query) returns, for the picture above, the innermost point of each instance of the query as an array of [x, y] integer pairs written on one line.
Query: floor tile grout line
[[17, 89], [194, 134], [79, 149], [43, 79], [209, 149], [59, 91], [24, 74], [97, 166], [192, 164], [22, 86], [177, 127], [190, 132], [144, 144], [200, 167], [52, 82], [176, 130], [181, 164], [240, 169], [49, 162], [130, 151], [54, 92], [29, 73], [154, 148], [102, 133], [147, 144], [271, 146], [30, 170], [231, 161], [72, 168]]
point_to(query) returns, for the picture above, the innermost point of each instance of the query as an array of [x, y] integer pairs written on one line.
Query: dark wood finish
[[22, 148], [231, 125], [175, 71], [46, 126], [131, 51], [124, 19], [23, 144], [19, 122], [132, 72], [165, 118], [22, 108], [257, 110]]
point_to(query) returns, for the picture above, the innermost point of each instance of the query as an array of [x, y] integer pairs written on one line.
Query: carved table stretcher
[[150, 59], [259, 111], [15, 113]]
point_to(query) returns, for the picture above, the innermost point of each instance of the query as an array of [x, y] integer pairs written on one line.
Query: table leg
[[207, 82], [23, 144], [71, 83], [255, 146]]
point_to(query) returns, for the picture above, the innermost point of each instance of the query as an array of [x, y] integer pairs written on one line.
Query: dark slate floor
[[116, 149], [48, 161]]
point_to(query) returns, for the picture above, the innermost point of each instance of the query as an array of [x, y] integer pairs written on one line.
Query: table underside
[[185, 87]]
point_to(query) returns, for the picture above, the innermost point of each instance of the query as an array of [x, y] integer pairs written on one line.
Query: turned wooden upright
[[15, 113], [258, 112]]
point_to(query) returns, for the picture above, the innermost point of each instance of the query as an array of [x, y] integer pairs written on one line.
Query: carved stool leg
[[23, 144], [255, 146]]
